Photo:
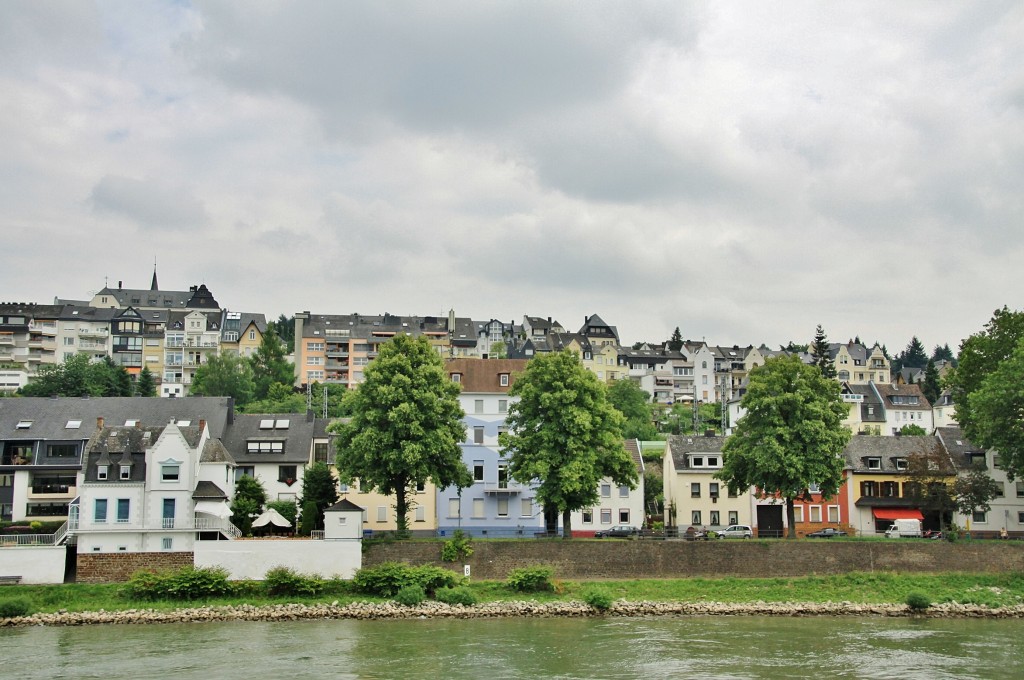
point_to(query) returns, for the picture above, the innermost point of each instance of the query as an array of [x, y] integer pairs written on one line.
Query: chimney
[[119, 283], [99, 423], [202, 425], [309, 415], [138, 424], [231, 410]]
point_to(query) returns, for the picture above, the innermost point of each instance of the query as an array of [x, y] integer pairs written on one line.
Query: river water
[[666, 647]]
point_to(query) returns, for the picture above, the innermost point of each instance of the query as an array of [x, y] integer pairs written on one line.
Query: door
[[769, 521], [168, 514]]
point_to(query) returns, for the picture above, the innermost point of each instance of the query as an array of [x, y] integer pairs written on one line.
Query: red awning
[[897, 513]]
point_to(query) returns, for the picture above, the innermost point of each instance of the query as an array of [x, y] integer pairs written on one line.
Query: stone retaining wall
[[119, 566], [623, 559]]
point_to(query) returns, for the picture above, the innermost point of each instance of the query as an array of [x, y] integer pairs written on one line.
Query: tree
[[498, 350], [930, 387], [992, 423], [406, 425], [794, 348], [631, 401], [564, 433], [109, 379], [912, 430], [676, 342], [285, 327], [974, 490], [942, 353], [792, 436], [319, 492], [280, 399], [654, 493], [822, 353], [250, 497], [145, 386], [77, 376], [288, 509], [224, 375], [269, 366], [914, 355], [930, 475]]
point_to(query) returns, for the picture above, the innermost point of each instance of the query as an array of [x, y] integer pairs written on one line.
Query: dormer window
[[131, 422], [126, 472], [24, 424], [712, 461], [456, 377], [101, 472], [901, 463], [503, 380], [697, 461], [874, 463]]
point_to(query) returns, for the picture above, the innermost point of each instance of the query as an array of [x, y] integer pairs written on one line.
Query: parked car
[[904, 528], [736, 531], [621, 531], [826, 533]]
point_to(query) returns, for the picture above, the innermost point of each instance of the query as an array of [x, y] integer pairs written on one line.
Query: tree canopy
[[250, 497], [78, 376], [675, 343], [145, 386], [224, 375], [930, 387], [822, 353], [564, 433], [988, 391], [269, 366], [406, 425], [319, 491], [791, 437], [975, 490], [634, 405]]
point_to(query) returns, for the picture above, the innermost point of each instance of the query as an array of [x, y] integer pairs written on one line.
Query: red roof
[[897, 513]]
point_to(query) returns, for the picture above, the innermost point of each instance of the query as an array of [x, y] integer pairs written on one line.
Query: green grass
[[991, 590]]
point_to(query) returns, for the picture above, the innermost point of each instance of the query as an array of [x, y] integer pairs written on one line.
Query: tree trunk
[[550, 521], [401, 510], [791, 518], [566, 524]]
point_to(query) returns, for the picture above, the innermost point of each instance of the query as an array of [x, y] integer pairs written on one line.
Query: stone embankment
[[430, 610]]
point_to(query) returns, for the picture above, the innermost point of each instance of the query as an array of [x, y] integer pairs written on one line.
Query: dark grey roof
[[208, 491], [118, 446], [890, 393], [959, 448], [172, 299], [344, 505], [297, 438], [681, 446], [862, 447], [50, 416], [214, 452]]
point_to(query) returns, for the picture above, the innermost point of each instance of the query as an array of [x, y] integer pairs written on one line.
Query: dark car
[[621, 531], [826, 533]]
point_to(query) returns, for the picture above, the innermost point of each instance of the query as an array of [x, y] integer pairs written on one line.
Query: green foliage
[[250, 499], [77, 376], [914, 355], [224, 375], [188, 583], [822, 354], [634, 405], [598, 597], [269, 365], [974, 490], [35, 526], [679, 419], [930, 475], [675, 343], [912, 430], [388, 578], [309, 518], [288, 509], [145, 386], [457, 595], [931, 388], [531, 579], [654, 486], [280, 398], [918, 601], [406, 425], [18, 606], [410, 596], [565, 433], [285, 329], [336, 404], [459, 546], [943, 353], [792, 435], [283, 581], [995, 411], [319, 492]]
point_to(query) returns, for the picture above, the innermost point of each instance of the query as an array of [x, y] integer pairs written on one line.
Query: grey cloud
[[148, 204]]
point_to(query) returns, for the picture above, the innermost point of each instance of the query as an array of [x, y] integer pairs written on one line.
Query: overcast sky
[[744, 171]]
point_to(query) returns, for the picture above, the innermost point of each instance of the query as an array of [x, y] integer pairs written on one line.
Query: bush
[[458, 546], [387, 579], [458, 595], [530, 579], [18, 606], [410, 596], [188, 583], [285, 581], [599, 598], [918, 601]]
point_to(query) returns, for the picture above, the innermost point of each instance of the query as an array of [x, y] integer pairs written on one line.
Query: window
[[382, 513], [456, 377], [697, 461], [286, 474], [169, 473], [454, 507], [61, 450], [101, 472], [73, 424], [606, 515], [716, 518], [478, 471], [1020, 489], [606, 491], [264, 447], [833, 514], [997, 462], [869, 488], [99, 513], [980, 518], [713, 489], [321, 453], [874, 463], [623, 491], [123, 510], [126, 472], [478, 406], [421, 514], [502, 507], [24, 424], [243, 470], [478, 434], [478, 508], [526, 507], [503, 379], [695, 490], [166, 543], [999, 490], [734, 517], [901, 463], [623, 516], [503, 406], [1020, 517], [588, 516], [798, 514], [712, 461], [252, 335], [815, 513], [695, 518]]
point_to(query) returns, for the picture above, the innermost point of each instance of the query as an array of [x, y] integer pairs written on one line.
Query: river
[[665, 647]]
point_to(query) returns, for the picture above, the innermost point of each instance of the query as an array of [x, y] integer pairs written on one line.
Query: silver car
[[736, 531]]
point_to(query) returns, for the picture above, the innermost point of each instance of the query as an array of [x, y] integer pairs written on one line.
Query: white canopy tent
[[273, 517]]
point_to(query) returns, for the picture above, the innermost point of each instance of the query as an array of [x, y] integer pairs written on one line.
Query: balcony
[[82, 526], [6, 339], [51, 491], [91, 345], [44, 327], [94, 332], [501, 487]]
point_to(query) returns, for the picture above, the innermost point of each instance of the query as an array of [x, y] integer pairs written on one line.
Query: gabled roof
[[862, 447], [957, 446], [214, 452], [633, 449], [297, 437], [681, 446], [118, 446], [344, 505], [208, 491], [484, 375], [891, 393]]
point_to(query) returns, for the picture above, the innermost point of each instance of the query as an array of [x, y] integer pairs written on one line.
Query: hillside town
[[134, 474]]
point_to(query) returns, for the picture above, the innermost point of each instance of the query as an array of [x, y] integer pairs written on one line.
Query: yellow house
[[379, 510], [693, 497]]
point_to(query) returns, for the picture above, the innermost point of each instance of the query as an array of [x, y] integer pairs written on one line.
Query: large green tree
[[224, 375], [248, 502], [822, 353], [78, 376], [269, 365], [930, 387], [285, 327], [791, 437], [634, 405], [145, 386], [974, 491], [565, 434], [675, 343], [319, 492], [406, 425]]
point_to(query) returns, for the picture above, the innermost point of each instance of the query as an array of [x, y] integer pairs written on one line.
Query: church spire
[[153, 285]]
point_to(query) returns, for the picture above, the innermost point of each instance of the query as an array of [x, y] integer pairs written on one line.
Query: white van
[[904, 528]]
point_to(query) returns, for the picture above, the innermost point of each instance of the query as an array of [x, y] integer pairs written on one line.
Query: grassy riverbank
[[990, 590]]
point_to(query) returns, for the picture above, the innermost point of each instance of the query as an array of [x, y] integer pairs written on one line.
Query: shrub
[[599, 598], [530, 579], [18, 606], [458, 546], [187, 583], [431, 578], [387, 579], [286, 581], [918, 601], [36, 526], [458, 595], [410, 596]]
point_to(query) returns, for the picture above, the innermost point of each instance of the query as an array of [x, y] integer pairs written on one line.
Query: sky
[[742, 171]]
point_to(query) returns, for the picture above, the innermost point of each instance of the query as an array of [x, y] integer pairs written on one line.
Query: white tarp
[[271, 516], [215, 508]]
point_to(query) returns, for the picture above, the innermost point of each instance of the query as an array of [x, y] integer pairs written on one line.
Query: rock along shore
[[437, 610]]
